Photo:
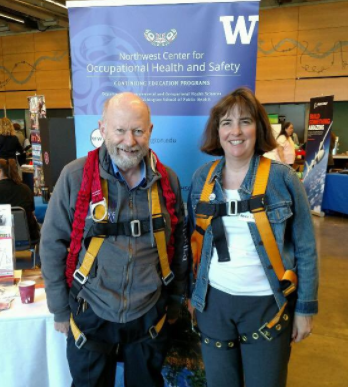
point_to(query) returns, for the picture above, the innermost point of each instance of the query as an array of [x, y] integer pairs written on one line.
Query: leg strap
[[267, 331], [107, 348], [219, 344]]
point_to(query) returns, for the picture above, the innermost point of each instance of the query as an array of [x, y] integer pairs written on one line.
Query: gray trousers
[[257, 362]]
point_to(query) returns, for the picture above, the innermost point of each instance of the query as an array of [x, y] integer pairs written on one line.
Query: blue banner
[[317, 149], [180, 58]]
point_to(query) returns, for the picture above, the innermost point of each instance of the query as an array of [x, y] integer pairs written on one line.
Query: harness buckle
[[291, 288], [168, 279], [229, 207], [153, 332], [265, 333], [81, 278], [93, 206], [80, 341], [135, 228]]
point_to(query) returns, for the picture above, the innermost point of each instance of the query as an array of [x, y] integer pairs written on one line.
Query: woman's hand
[[191, 309], [302, 327]]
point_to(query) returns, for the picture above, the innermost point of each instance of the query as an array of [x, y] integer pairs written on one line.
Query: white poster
[[6, 242]]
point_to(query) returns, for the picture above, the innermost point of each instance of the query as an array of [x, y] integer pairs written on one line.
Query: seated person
[[14, 192]]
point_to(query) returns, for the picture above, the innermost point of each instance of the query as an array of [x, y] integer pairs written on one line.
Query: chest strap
[[134, 228], [231, 207], [287, 278]]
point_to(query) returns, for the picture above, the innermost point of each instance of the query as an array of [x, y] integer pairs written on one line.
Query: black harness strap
[[230, 208], [220, 240], [133, 228]]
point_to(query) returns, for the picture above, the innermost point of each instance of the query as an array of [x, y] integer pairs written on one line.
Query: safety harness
[[211, 214], [95, 189]]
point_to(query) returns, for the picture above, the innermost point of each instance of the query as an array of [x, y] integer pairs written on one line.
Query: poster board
[[6, 244], [317, 150], [180, 58]]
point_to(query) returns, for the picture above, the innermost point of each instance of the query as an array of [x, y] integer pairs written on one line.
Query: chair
[[21, 233]]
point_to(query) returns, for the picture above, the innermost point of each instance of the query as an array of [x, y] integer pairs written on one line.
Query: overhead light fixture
[[12, 18], [55, 3], [49, 22]]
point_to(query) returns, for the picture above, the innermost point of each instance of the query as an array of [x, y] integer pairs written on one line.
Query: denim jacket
[[289, 214]]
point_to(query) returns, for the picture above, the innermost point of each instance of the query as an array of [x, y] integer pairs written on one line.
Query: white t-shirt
[[243, 274], [288, 147]]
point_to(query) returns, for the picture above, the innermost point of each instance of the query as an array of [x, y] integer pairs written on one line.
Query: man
[[118, 304]]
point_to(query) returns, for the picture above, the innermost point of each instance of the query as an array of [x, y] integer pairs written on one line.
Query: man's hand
[[302, 327], [62, 327]]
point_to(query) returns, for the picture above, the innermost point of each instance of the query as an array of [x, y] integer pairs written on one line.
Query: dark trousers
[[143, 356], [258, 363]]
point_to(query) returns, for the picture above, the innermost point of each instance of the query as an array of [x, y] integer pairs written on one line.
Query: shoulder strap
[[81, 210], [160, 236], [265, 230], [202, 221]]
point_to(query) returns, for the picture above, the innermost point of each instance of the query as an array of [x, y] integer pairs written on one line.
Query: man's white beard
[[122, 162]]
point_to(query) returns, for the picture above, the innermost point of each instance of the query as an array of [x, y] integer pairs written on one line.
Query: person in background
[[14, 192], [236, 288], [138, 278], [330, 160], [19, 134], [286, 148], [9, 144]]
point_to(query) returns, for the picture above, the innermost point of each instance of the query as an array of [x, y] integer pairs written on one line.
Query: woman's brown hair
[[246, 101], [9, 170], [6, 127]]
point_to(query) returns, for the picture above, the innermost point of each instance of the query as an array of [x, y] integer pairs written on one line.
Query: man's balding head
[[126, 128]]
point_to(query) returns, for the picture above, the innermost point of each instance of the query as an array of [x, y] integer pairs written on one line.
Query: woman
[[286, 148], [14, 192], [9, 143], [246, 315]]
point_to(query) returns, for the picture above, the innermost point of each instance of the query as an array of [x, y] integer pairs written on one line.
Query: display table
[[335, 193], [32, 353], [40, 209]]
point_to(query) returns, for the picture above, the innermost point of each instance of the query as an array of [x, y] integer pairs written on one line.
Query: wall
[[303, 53], [35, 63]]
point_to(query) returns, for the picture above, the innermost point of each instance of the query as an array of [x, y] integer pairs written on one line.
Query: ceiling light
[[55, 3], [12, 18], [4, 28]]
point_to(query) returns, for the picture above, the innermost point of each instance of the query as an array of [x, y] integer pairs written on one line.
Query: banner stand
[[317, 150]]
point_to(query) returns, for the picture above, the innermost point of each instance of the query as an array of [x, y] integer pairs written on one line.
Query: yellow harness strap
[[160, 236], [96, 242], [82, 273], [202, 221], [265, 230]]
